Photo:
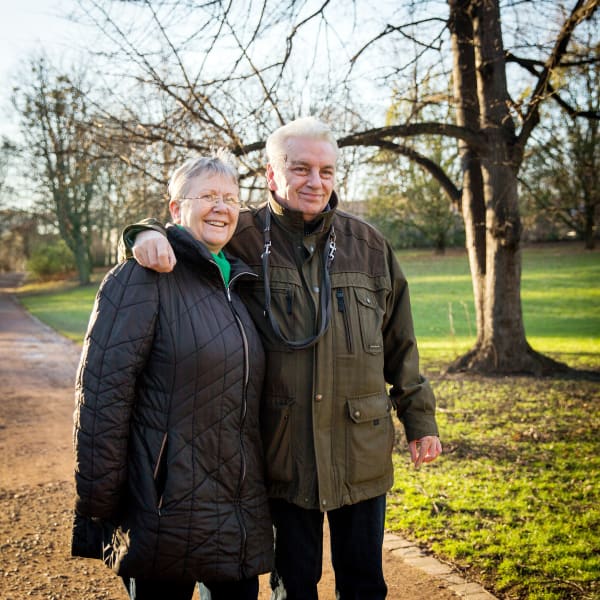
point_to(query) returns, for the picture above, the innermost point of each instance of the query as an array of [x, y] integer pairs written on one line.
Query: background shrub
[[51, 261]]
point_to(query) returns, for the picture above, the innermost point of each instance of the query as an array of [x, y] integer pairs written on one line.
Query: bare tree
[[227, 73], [51, 108], [7, 153], [561, 176], [408, 205]]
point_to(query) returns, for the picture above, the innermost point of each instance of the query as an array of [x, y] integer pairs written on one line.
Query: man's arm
[[146, 242], [410, 391]]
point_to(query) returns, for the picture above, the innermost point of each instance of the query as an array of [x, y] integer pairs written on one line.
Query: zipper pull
[[340, 300]]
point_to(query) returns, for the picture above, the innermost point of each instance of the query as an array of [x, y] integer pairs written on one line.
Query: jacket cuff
[[130, 232]]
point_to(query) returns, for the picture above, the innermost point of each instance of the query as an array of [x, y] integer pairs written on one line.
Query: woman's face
[[209, 210]]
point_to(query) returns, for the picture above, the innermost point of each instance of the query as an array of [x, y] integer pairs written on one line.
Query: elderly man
[[333, 309]]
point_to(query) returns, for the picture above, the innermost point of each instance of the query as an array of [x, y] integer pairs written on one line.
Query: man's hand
[[425, 450], [152, 250]]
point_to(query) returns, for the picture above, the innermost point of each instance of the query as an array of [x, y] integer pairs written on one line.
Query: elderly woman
[[167, 441]]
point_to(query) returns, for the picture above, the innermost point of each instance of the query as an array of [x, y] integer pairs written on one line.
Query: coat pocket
[[370, 316], [276, 434], [369, 437], [148, 468], [160, 472]]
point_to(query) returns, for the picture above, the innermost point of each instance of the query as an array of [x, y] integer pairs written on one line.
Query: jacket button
[[324, 502], [357, 413], [318, 397]]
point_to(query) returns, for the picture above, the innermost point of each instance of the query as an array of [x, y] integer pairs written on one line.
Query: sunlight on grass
[[516, 494], [67, 311], [560, 297]]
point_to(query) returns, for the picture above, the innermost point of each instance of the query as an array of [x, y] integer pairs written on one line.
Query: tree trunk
[[440, 244], [82, 263], [589, 234], [490, 184], [80, 248], [467, 115]]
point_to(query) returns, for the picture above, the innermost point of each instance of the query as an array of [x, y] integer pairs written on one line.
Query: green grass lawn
[[514, 500], [560, 292], [67, 311]]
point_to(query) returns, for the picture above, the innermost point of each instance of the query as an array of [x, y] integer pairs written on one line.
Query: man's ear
[[175, 210], [271, 178]]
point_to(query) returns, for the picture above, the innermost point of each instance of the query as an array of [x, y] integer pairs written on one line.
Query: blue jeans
[[148, 589], [356, 545]]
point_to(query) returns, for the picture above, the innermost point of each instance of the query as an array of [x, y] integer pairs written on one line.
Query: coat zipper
[[244, 410]]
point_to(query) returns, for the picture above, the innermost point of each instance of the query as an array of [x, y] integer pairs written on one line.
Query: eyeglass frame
[[230, 201]]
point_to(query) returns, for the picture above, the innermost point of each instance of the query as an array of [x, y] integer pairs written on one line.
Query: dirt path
[[37, 372]]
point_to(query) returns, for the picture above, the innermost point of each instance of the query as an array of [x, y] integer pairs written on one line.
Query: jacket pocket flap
[[366, 298], [369, 408]]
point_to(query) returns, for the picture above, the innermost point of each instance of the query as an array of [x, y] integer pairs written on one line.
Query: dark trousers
[[148, 589], [356, 545]]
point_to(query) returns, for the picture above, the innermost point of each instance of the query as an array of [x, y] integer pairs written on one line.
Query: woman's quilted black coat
[[167, 436]]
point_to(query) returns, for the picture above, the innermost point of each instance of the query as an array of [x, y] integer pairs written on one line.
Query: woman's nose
[[220, 204]]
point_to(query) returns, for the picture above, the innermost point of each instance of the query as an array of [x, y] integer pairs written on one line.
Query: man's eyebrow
[[304, 163]]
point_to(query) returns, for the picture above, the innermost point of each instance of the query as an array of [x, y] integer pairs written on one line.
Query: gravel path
[[37, 372]]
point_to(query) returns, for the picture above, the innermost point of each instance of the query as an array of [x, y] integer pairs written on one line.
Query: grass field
[[560, 292], [515, 498]]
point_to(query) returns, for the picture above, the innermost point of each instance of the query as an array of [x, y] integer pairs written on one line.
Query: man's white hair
[[309, 127]]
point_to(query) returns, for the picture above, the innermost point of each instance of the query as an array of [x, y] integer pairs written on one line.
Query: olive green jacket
[[326, 420]]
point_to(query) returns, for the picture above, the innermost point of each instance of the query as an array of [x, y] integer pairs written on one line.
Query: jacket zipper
[[343, 309], [244, 410]]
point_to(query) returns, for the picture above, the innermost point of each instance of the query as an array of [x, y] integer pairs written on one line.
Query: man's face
[[305, 180]]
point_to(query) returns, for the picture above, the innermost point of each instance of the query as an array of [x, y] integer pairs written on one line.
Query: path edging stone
[[411, 554]]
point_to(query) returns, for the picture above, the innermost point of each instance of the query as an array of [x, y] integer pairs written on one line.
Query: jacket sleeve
[[116, 346], [128, 235], [410, 391]]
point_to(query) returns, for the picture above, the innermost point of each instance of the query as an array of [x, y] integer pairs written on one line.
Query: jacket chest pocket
[[370, 318]]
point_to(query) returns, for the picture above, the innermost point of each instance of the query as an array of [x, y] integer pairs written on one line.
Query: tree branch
[[583, 9], [530, 66], [475, 139], [453, 193]]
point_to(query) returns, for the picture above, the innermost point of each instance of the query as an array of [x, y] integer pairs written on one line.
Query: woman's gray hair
[[309, 127], [220, 162]]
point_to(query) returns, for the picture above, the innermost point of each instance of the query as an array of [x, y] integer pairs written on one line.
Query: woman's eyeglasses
[[227, 199]]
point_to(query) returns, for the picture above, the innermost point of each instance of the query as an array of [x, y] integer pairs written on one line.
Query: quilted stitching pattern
[[167, 356]]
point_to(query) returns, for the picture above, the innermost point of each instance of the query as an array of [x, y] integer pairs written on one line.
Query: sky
[[27, 26]]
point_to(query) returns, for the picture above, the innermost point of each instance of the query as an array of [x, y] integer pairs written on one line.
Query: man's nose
[[314, 178]]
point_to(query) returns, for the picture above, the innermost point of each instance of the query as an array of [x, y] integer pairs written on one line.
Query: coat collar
[[189, 249], [293, 221]]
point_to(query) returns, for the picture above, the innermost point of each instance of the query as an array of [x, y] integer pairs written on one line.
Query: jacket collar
[[189, 249], [293, 221]]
